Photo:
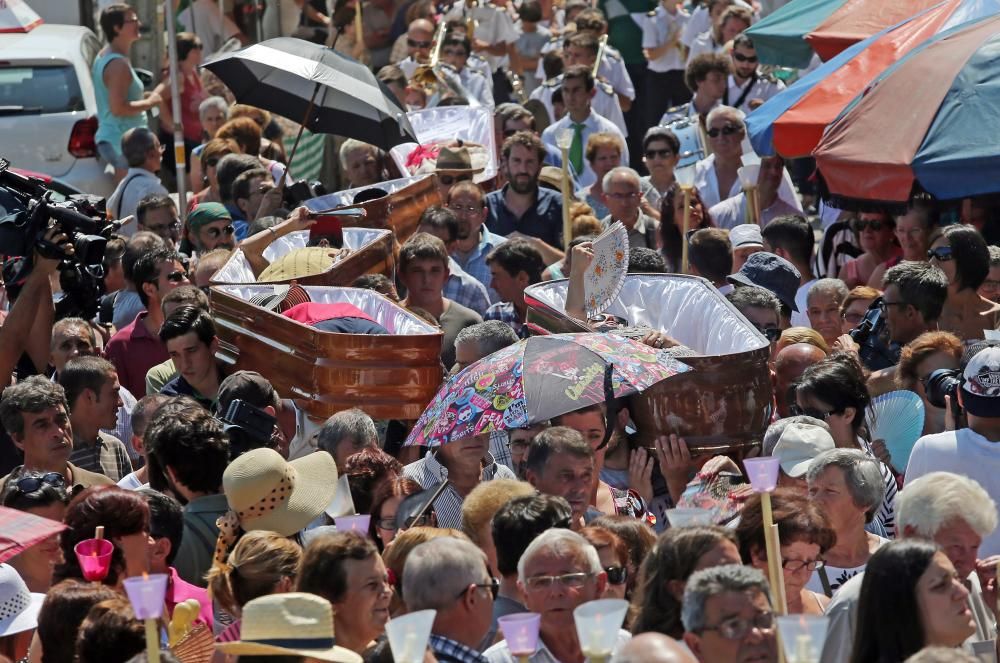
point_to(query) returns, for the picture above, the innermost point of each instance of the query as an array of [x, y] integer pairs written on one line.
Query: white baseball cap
[[798, 445]]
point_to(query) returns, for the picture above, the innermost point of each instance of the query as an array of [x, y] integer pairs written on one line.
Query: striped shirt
[[107, 456], [428, 471]]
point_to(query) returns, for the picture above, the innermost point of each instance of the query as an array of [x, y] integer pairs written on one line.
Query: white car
[[48, 111]]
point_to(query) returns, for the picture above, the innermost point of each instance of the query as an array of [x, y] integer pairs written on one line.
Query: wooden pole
[[567, 195], [686, 192]]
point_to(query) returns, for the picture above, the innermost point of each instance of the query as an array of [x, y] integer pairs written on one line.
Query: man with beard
[[521, 209], [475, 241]]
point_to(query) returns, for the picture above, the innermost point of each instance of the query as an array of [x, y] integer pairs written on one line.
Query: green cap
[[207, 213]]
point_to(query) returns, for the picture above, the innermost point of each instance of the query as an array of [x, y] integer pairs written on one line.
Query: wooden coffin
[[371, 252], [724, 404], [389, 377]]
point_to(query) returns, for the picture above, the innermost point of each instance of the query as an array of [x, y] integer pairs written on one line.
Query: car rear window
[[39, 89]]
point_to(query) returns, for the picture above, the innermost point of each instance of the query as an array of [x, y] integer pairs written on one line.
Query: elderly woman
[[847, 487], [212, 113], [124, 514], [660, 152], [913, 233], [874, 231], [805, 535], [604, 152], [558, 572], [346, 569], [823, 307], [678, 553], [855, 306], [961, 253], [920, 357]]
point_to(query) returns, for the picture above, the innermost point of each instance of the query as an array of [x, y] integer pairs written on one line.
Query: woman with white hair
[[847, 486], [823, 303], [213, 113]]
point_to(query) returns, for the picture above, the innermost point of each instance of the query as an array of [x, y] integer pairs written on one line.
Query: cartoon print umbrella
[[539, 378]]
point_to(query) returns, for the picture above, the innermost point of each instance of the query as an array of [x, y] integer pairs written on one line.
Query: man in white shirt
[[494, 38], [582, 121], [733, 211], [748, 88], [705, 76], [455, 51], [143, 152], [661, 32], [971, 451]]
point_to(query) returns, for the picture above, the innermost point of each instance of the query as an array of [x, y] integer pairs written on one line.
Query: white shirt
[[800, 318], [477, 85], [762, 88], [494, 26], [136, 185], [963, 452], [732, 212], [212, 26], [500, 652], [708, 185], [704, 43], [593, 124], [659, 29], [604, 102], [612, 68]]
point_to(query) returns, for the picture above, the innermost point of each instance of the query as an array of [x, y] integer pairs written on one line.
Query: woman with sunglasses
[[834, 391], [961, 253], [613, 554], [660, 153], [875, 233], [208, 176], [805, 536], [40, 494]]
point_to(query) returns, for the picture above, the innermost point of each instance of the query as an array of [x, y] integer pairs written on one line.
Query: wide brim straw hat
[[292, 624], [269, 493]]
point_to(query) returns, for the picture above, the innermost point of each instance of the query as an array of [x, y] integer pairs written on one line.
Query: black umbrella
[[322, 89]]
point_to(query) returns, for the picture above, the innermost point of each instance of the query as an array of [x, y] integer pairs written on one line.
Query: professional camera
[[300, 191], [872, 335], [248, 427], [943, 382], [27, 211]]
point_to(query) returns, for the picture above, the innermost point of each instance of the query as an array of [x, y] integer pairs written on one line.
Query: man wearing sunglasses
[[35, 414], [727, 616], [419, 41], [455, 50], [761, 308], [210, 227], [747, 88]]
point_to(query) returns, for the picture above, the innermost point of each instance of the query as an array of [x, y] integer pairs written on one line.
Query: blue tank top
[[111, 127]]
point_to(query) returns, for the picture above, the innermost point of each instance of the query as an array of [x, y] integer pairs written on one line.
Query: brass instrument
[[516, 86], [602, 44], [426, 75]]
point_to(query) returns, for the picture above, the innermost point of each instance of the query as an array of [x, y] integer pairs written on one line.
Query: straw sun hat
[[266, 492], [293, 624]]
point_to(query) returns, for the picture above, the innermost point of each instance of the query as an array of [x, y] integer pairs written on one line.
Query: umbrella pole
[[180, 154], [298, 136]]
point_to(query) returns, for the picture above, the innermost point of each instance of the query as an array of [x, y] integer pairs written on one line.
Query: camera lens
[[940, 383]]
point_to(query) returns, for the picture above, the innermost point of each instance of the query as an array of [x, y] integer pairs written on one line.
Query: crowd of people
[[127, 415]]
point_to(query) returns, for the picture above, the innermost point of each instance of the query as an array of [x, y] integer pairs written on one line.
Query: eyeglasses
[[448, 180], [617, 575], [567, 580], [659, 154], [884, 305], [31, 484], [493, 585], [941, 254], [990, 284], [800, 411], [860, 225], [177, 277], [413, 43], [388, 524], [215, 232], [631, 195], [466, 210], [744, 58], [737, 627], [211, 163], [166, 227], [772, 333], [728, 130], [852, 318], [517, 446], [794, 565]]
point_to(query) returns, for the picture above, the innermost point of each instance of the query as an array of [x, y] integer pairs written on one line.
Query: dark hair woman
[[961, 253], [911, 598], [672, 220]]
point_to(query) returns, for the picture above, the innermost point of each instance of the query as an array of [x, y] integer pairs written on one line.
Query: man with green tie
[[582, 121]]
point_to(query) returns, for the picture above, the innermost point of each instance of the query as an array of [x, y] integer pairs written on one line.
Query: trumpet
[[426, 75], [516, 86]]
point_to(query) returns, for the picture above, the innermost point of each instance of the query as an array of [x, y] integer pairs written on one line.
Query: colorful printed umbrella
[[537, 379], [925, 121], [791, 35], [792, 122]]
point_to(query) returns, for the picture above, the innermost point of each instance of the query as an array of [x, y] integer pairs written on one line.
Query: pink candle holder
[[94, 556], [358, 523], [763, 473], [146, 594], [520, 630]]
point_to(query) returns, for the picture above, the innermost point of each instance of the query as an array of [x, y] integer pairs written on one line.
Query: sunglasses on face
[[216, 232], [941, 254], [659, 154], [772, 333], [176, 277], [861, 225], [413, 43], [167, 227], [617, 575], [745, 58], [448, 180], [31, 484], [728, 130], [800, 411]]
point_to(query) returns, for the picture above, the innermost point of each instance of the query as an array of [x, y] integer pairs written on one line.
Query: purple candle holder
[[94, 556], [520, 630], [146, 594], [763, 473], [358, 523]]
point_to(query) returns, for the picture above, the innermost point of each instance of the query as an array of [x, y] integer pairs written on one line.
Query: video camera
[[248, 427], [27, 212], [872, 335]]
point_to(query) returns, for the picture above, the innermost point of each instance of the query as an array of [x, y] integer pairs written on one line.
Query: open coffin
[[724, 404], [390, 377], [371, 252]]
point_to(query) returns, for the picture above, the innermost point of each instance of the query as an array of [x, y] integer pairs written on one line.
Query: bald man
[[789, 365], [419, 41], [653, 648]]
